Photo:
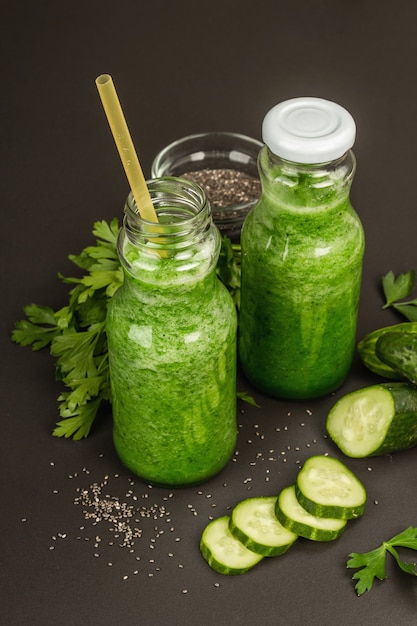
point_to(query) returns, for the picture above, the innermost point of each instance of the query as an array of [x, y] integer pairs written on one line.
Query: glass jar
[[224, 164], [302, 250], [171, 333]]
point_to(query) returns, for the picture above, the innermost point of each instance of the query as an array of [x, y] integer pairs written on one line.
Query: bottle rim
[[183, 212]]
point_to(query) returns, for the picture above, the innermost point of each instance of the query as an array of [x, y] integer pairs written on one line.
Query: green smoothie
[[172, 351], [302, 249]]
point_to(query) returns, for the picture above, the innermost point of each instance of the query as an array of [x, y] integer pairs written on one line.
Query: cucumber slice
[[223, 552], [375, 420], [254, 523], [295, 518], [325, 487], [399, 351], [366, 349]]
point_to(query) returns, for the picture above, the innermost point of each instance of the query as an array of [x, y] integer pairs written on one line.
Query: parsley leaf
[[373, 564], [408, 309], [76, 352], [105, 250], [397, 288], [245, 397], [77, 424], [40, 330]]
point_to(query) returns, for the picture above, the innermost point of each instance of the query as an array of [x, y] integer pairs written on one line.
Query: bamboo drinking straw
[[124, 144]]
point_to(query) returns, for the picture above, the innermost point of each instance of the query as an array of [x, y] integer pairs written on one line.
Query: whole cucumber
[[399, 351], [367, 349]]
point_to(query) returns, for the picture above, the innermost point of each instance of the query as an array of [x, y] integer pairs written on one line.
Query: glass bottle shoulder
[[295, 239], [289, 187]]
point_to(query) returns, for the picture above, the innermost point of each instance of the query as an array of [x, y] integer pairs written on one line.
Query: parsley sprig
[[373, 564], [396, 289], [76, 333]]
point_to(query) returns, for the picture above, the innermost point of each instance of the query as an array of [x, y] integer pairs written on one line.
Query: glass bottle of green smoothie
[[302, 251], [171, 333]]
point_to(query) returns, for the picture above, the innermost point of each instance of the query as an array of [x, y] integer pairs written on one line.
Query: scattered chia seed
[[135, 519]]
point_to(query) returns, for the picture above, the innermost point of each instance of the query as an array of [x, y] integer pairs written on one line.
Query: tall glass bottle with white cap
[[302, 251]]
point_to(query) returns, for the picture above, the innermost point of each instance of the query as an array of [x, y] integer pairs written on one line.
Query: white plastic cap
[[308, 130]]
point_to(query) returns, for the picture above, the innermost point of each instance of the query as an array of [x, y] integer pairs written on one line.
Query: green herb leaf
[[27, 334], [373, 564], [83, 390], [39, 331], [245, 397], [105, 250], [408, 309], [106, 232], [76, 351], [110, 280], [78, 423], [40, 314], [397, 288]]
